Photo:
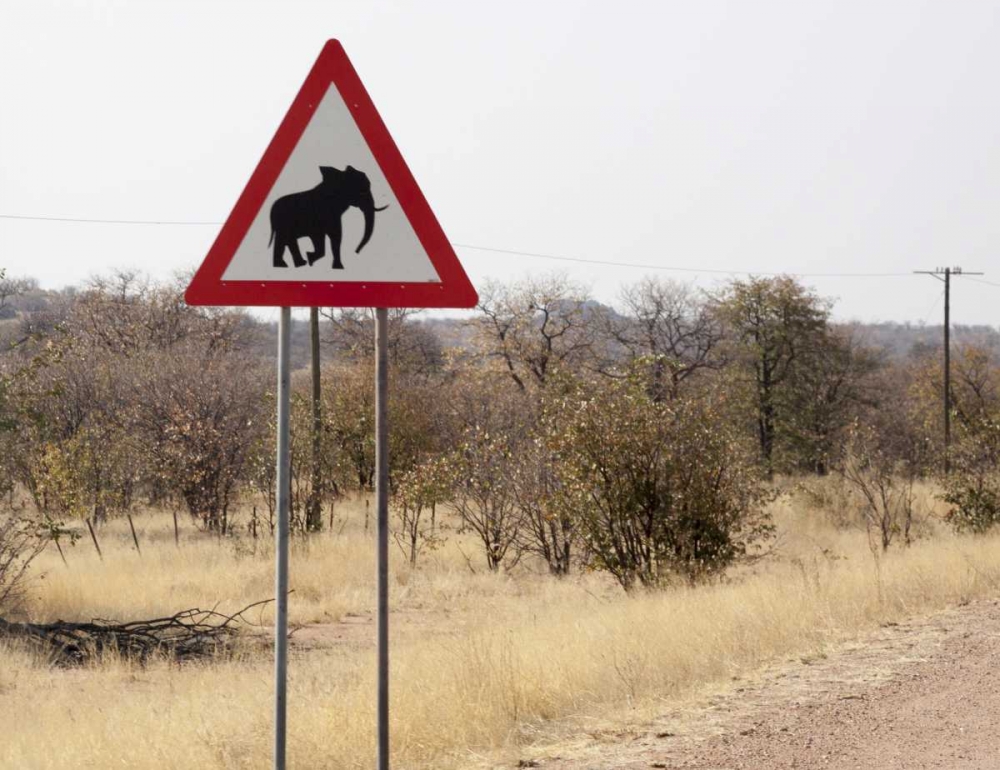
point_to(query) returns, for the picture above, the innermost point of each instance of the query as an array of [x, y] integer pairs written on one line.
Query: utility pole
[[947, 272]]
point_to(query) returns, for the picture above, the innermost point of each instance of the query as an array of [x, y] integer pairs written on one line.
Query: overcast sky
[[801, 137]]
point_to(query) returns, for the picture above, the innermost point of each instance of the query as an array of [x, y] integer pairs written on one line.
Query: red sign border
[[454, 290]]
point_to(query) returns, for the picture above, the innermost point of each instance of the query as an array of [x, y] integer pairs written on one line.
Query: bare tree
[[672, 326], [412, 347], [126, 313], [535, 327], [11, 288], [885, 486]]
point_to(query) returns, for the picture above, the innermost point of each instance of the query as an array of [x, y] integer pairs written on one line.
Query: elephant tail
[[271, 239]]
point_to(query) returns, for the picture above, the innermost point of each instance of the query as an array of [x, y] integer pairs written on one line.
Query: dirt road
[[922, 694]]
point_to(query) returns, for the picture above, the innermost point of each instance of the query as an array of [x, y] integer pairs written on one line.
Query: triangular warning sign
[[332, 216]]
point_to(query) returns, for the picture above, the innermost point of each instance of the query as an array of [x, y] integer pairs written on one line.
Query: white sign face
[[329, 192]]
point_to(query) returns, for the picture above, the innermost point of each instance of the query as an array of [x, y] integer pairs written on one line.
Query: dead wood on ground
[[186, 635]]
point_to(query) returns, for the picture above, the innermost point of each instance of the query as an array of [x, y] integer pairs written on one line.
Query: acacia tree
[[773, 322], [975, 392], [660, 490], [83, 444]]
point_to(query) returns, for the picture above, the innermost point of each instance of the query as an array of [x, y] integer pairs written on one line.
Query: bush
[[20, 542], [658, 490], [973, 486], [884, 484]]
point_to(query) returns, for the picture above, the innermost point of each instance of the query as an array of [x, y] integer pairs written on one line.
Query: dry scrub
[[482, 664]]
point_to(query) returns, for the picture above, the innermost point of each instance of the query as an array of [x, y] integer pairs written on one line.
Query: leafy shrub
[[659, 490], [973, 486], [20, 542]]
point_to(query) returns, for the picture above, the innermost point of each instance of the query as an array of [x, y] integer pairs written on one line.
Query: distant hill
[[901, 340]]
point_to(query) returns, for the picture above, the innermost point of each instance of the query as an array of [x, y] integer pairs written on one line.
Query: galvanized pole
[[947, 370], [382, 528], [314, 513], [281, 542]]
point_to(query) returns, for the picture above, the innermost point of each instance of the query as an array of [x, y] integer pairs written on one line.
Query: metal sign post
[[281, 542], [408, 262], [382, 528]]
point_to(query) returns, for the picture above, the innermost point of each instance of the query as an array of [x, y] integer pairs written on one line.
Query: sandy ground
[[921, 694]]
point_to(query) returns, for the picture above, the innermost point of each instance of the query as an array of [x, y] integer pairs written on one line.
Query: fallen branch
[[190, 634]]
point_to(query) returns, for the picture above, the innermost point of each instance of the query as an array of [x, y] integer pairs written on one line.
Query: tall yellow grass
[[482, 664]]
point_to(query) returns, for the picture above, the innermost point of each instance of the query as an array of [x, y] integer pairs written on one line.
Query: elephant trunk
[[368, 208]]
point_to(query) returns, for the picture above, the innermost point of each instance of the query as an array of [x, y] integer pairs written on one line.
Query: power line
[[987, 283], [645, 266], [82, 220], [513, 252]]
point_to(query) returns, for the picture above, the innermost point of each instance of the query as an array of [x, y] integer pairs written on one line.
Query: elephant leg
[[335, 233], [319, 247], [293, 246], [279, 250]]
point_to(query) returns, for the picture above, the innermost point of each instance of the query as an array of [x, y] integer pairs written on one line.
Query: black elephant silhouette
[[316, 213]]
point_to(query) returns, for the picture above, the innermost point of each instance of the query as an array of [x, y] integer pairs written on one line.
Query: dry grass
[[483, 665]]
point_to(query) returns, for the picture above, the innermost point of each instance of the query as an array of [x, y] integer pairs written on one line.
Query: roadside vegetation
[[596, 511]]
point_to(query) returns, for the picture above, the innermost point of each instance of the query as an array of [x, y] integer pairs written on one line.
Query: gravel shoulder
[[920, 694]]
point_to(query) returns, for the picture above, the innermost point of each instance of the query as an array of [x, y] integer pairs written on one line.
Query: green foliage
[[21, 540], [93, 472], [548, 528], [415, 496], [973, 486], [775, 324], [484, 467], [833, 385], [658, 490]]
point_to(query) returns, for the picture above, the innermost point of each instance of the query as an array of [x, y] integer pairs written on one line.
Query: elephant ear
[[329, 173]]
